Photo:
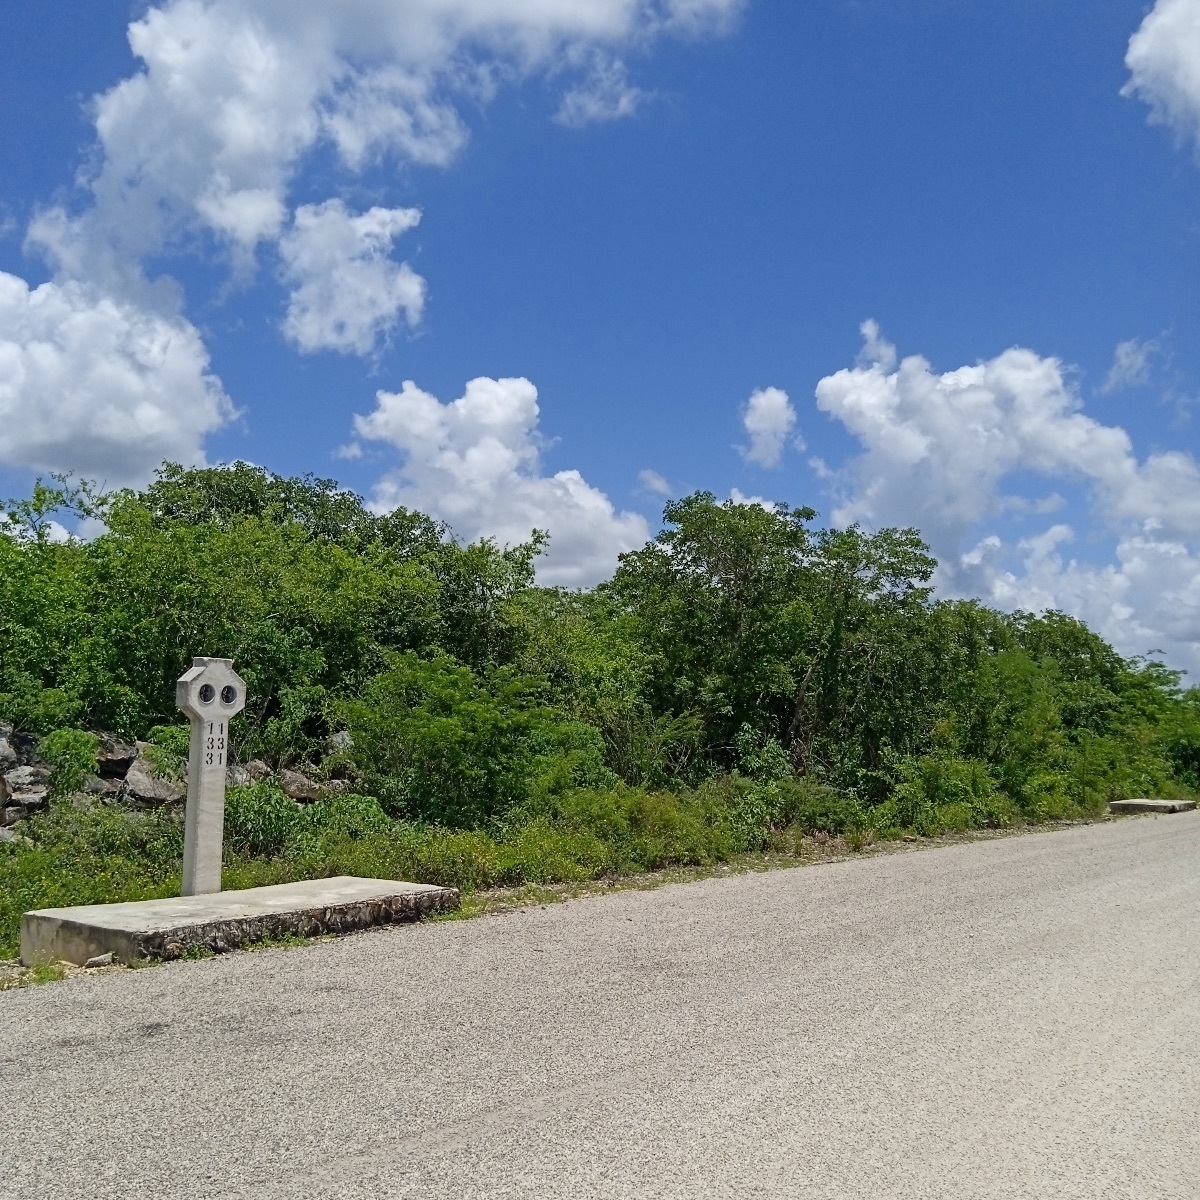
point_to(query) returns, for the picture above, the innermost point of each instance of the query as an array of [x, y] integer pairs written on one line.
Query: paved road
[[1015, 1018]]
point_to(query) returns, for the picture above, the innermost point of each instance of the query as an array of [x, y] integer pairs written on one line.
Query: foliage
[[71, 755], [436, 742], [746, 679], [91, 855]]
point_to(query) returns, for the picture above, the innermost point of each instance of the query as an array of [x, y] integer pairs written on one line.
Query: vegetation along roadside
[[744, 683]]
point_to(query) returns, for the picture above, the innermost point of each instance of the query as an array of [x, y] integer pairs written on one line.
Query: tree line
[[740, 644]]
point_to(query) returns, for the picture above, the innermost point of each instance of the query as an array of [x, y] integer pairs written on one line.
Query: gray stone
[[298, 787], [107, 788], [29, 798], [1145, 805], [339, 742], [8, 756], [224, 920], [25, 745], [11, 835], [339, 787], [101, 960], [237, 776], [257, 769], [11, 814], [144, 785], [23, 778], [115, 756]]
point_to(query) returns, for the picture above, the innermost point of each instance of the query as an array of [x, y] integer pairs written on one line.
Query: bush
[[260, 819], [93, 855], [644, 830], [71, 754], [350, 816], [437, 744], [169, 746], [539, 853], [816, 808]]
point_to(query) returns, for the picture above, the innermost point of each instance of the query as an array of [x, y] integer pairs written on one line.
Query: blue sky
[[650, 231]]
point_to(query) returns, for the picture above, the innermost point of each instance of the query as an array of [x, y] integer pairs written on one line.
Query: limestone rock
[[10, 815], [144, 784], [11, 835], [25, 744], [298, 787], [237, 776], [22, 779], [106, 788], [8, 756], [115, 756], [339, 742], [257, 769], [31, 798]]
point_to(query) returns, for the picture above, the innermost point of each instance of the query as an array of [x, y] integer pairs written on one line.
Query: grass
[[584, 844], [13, 975]]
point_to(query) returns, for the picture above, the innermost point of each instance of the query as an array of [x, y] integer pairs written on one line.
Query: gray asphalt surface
[[1012, 1018]]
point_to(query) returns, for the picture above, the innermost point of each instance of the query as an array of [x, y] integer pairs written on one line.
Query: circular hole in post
[[228, 694], [207, 692]]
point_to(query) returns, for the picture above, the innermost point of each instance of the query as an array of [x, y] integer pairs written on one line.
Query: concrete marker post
[[209, 694]]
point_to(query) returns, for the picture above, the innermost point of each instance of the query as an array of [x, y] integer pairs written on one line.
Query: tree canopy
[[739, 640]]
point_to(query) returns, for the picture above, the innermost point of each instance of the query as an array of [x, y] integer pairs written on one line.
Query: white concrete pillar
[[209, 694]]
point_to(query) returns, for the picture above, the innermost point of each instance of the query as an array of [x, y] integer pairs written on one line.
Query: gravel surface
[[1010, 1018]]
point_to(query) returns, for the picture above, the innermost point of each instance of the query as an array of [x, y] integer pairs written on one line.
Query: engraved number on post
[[214, 744]]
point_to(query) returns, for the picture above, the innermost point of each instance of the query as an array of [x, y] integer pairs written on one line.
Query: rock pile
[[127, 773]]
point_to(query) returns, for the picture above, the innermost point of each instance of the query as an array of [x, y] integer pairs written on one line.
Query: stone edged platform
[[1151, 806], [168, 929]]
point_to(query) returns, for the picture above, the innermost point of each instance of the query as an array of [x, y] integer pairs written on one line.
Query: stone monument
[[209, 694]]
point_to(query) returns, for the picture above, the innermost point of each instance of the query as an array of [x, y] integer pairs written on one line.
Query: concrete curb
[[221, 921]]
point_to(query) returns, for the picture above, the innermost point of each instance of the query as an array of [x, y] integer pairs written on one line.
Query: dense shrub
[[71, 755], [435, 742]]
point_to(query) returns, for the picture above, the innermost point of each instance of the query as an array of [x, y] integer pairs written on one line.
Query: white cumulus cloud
[[201, 146], [347, 292], [768, 418], [938, 449], [474, 462], [1164, 65], [98, 385], [232, 95], [740, 497]]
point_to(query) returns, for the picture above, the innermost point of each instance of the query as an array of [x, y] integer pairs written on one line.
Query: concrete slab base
[[224, 920], [1158, 806]]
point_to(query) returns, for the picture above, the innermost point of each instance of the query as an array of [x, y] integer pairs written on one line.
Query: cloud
[[475, 463], [1146, 600], [768, 418], [1131, 365], [232, 95], [199, 150], [346, 290], [937, 448], [652, 481], [605, 95], [1164, 66], [737, 496], [98, 385]]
